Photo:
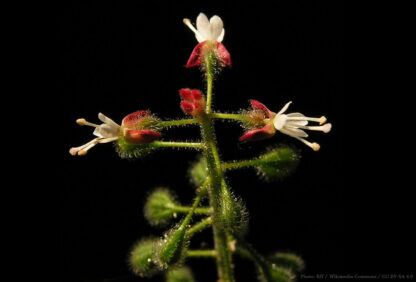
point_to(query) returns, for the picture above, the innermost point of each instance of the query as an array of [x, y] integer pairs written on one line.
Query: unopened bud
[[181, 274], [140, 258], [288, 261], [198, 171], [158, 209], [271, 272], [234, 216], [278, 163], [172, 247]]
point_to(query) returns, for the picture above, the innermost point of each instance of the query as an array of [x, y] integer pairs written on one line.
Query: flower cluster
[[135, 129], [193, 102], [290, 124]]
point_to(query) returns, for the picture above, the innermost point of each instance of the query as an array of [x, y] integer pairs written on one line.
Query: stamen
[[187, 22], [325, 128], [73, 151], [307, 118], [315, 146], [85, 150], [82, 121]]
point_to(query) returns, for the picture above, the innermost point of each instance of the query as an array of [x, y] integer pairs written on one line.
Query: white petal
[[106, 131], [107, 120], [216, 27], [202, 25], [294, 132], [221, 37], [296, 122], [106, 140], [284, 108], [279, 121]]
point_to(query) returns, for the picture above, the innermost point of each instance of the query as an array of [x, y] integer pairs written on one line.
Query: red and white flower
[[209, 34], [132, 129], [292, 124]]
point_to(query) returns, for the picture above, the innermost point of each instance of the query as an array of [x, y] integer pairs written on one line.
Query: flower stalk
[[224, 258]]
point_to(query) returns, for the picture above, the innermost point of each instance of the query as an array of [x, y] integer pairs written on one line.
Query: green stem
[[196, 202], [183, 209], [199, 226], [224, 258], [201, 253], [172, 144], [227, 116], [210, 78], [241, 164], [180, 122]]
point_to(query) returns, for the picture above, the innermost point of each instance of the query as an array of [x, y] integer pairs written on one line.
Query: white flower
[[292, 125], [211, 30], [106, 132]]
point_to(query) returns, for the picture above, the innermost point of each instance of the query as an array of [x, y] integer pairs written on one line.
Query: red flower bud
[[140, 136], [187, 107], [194, 102], [136, 128]]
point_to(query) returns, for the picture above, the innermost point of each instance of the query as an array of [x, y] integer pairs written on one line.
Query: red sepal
[[195, 58], [223, 55], [140, 136], [256, 105], [259, 134], [131, 119]]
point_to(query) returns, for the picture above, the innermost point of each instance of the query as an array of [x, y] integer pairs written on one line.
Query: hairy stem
[[201, 253], [172, 144], [199, 226], [180, 122], [227, 116], [183, 209], [224, 259], [241, 164], [196, 202]]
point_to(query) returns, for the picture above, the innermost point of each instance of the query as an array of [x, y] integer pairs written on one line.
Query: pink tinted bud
[[132, 119], [259, 134], [140, 136], [197, 95], [187, 107], [186, 94]]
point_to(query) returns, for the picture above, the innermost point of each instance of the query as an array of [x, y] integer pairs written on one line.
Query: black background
[[119, 58]]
